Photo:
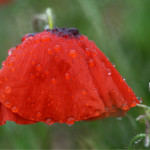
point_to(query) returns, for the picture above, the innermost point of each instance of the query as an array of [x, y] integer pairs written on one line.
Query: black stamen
[[72, 32]]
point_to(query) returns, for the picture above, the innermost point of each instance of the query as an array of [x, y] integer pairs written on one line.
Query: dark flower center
[[64, 32]]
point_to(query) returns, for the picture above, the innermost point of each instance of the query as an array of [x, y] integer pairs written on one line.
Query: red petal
[[56, 79]]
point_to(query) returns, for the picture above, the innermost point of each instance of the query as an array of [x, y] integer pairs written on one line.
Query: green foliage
[[121, 30]]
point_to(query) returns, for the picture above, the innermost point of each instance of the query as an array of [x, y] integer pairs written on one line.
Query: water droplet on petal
[[133, 104], [7, 89], [11, 51], [49, 121], [46, 39], [87, 51], [57, 48], [8, 104], [70, 121], [39, 114], [84, 92], [140, 99], [49, 51], [125, 107], [73, 53], [113, 64], [38, 67], [33, 119], [129, 90], [97, 112], [53, 81], [67, 75], [91, 62], [46, 72], [56, 58], [32, 76], [109, 72], [14, 109], [106, 109]]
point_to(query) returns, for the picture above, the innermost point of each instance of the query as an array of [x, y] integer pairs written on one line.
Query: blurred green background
[[121, 29]]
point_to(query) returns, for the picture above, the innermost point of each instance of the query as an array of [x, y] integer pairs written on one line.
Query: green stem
[[143, 106], [50, 17], [136, 138]]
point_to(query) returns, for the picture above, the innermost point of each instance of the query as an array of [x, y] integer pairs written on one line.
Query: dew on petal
[[91, 62], [46, 39], [87, 51], [7, 104], [84, 92], [125, 107], [67, 75], [140, 99], [134, 103], [109, 72], [73, 53], [70, 120], [56, 58], [38, 67], [49, 51], [14, 109], [33, 119], [129, 89], [97, 112], [106, 109], [46, 72], [57, 48], [49, 121], [32, 76], [8, 89], [53, 81], [39, 114]]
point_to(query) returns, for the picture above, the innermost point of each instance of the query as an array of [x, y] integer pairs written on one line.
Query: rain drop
[[91, 62], [38, 67], [113, 64], [70, 121], [49, 51], [31, 76], [7, 89], [8, 104], [84, 92], [14, 109], [97, 112], [53, 81], [129, 90], [39, 114], [49, 121], [56, 58], [125, 107], [73, 53], [140, 99], [109, 72], [33, 119], [106, 109], [46, 72], [67, 75], [133, 104], [87, 51], [57, 48]]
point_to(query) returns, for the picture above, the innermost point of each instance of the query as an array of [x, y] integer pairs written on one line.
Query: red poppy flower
[[60, 76]]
